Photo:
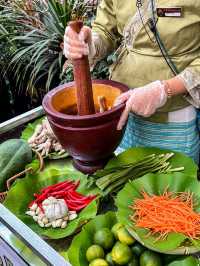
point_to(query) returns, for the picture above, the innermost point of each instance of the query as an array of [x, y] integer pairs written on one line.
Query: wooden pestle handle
[[82, 77]]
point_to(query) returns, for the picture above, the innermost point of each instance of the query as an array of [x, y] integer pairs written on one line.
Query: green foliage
[[33, 32], [15, 154], [38, 35]]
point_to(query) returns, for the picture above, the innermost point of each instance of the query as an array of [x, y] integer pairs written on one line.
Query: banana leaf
[[156, 184], [81, 242], [136, 154], [21, 194], [28, 132]]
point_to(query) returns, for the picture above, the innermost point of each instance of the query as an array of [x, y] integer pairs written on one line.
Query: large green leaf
[[157, 184], [136, 154], [84, 239], [28, 132], [21, 194], [30, 128]]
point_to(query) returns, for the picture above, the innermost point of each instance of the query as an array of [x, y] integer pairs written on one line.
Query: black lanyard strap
[[152, 25]]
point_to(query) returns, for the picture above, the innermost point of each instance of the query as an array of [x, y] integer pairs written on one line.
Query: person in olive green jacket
[[161, 106]]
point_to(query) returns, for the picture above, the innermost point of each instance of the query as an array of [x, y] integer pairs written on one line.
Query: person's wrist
[[167, 88]]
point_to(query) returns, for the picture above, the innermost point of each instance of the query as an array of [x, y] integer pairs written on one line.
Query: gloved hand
[[142, 101], [76, 45]]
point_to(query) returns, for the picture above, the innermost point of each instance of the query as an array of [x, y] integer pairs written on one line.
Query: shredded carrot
[[167, 213]]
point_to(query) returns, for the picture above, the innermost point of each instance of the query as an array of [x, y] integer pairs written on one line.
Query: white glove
[[76, 45], [143, 101]]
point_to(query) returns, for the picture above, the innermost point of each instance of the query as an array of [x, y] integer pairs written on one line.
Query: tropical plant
[[35, 29]]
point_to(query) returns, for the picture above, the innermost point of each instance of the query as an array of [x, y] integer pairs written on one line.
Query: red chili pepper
[[57, 186], [77, 195], [73, 207], [61, 193], [41, 197], [77, 183], [64, 186]]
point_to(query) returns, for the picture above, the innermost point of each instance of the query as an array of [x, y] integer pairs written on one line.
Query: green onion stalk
[[111, 180]]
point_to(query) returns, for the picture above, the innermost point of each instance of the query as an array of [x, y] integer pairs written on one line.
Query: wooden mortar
[[89, 139]]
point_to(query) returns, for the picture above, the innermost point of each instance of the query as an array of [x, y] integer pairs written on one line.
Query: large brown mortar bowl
[[89, 139]]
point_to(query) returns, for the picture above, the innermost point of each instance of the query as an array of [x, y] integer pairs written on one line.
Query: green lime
[[115, 228], [150, 258], [109, 259], [124, 236], [134, 261], [137, 249], [104, 238], [94, 252], [121, 253], [98, 262], [184, 261]]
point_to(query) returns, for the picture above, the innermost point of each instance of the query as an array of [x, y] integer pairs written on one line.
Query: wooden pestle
[[82, 77]]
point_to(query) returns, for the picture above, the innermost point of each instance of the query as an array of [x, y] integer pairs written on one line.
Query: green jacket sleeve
[[191, 79], [105, 28]]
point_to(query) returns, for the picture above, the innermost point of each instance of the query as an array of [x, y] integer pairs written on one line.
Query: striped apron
[[178, 136]]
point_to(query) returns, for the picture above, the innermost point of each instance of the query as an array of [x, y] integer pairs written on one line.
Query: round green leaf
[[156, 184], [21, 194]]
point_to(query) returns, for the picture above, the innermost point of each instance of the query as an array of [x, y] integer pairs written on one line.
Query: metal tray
[[19, 245]]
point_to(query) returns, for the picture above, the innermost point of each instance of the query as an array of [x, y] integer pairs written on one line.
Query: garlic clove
[[30, 213], [53, 224], [64, 224], [45, 220], [34, 207], [66, 218], [48, 225], [35, 218], [72, 216], [37, 211], [72, 212], [41, 216], [40, 224], [59, 222]]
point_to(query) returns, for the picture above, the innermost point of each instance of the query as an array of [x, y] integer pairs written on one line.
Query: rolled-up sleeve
[[191, 79], [104, 29]]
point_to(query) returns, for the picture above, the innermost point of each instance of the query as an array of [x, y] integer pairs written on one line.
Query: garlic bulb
[[54, 209]]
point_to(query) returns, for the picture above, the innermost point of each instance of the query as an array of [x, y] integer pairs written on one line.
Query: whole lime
[[137, 249], [134, 261], [115, 228], [185, 261], [124, 236], [150, 258], [109, 259], [121, 253], [94, 252], [104, 238], [98, 262]]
